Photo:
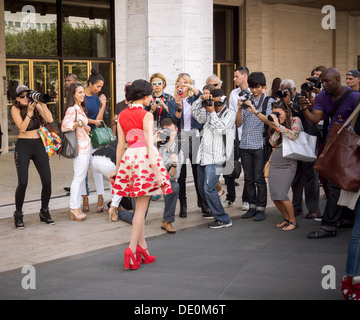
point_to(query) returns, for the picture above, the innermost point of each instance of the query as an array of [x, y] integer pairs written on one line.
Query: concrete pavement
[[84, 260]]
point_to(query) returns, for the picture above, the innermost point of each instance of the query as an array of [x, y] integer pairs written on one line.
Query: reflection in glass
[[30, 29]]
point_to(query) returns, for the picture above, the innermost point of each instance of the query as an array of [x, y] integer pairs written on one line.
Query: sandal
[[85, 206], [282, 224], [292, 225], [100, 204], [113, 214]]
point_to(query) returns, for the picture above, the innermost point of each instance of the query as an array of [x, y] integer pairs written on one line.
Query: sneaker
[[260, 215], [227, 204], [251, 213], [155, 198], [45, 216], [207, 216], [318, 219], [219, 224], [167, 227], [245, 206]]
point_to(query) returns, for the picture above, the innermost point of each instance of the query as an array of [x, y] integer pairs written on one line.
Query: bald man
[[328, 106]]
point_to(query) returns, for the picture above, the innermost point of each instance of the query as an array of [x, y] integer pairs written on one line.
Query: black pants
[[26, 150]]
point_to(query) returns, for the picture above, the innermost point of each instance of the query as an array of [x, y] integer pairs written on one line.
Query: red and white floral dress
[[135, 176]]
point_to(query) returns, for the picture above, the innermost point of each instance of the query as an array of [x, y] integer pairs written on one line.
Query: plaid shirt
[[253, 128]]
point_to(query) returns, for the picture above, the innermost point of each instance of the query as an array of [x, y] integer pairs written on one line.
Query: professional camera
[[207, 103], [283, 93], [164, 136], [245, 95], [315, 82], [276, 114], [34, 95]]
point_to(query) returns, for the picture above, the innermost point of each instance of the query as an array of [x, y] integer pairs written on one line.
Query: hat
[[21, 89], [354, 73]]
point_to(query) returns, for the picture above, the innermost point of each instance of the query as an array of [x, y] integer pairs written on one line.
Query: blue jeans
[[353, 259], [208, 177]]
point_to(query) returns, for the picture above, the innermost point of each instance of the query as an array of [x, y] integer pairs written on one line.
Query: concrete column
[[3, 104], [170, 37]]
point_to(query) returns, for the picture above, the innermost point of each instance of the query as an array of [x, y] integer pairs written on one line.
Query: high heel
[[113, 217], [143, 256], [100, 204], [128, 258], [76, 217]]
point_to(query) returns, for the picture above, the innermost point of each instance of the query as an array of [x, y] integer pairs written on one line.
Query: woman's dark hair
[[138, 90], [95, 77], [70, 100], [23, 109], [275, 87], [287, 124]]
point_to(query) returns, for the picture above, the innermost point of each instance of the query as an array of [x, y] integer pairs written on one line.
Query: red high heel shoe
[[129, 255], [143, 256]]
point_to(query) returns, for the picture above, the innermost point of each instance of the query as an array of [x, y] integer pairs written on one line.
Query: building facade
[[42, 41]]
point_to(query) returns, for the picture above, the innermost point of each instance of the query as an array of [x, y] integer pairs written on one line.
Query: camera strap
[[340, 102]]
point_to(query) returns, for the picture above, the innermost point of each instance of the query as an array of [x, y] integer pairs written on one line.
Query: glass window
[[23, 40], [86, 29]]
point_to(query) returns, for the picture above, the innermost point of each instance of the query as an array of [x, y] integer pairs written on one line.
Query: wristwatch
[[179, 110], [174, 165]]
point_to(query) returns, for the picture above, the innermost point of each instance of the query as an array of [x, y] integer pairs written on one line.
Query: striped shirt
[[212, 149], [253, 128]]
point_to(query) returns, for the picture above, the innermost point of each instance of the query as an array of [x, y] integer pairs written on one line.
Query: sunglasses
[[23, 95], [159, 83]]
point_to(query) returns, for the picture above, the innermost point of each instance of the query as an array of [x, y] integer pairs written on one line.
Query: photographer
[[173, 159], [215, 149], [306, 178], [336, 103], [252, 145], [159, 107], [26, 113]]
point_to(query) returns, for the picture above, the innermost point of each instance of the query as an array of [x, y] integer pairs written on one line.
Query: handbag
[[70, 145], [51, 141], [267, 166], [301, 149], [340, 159], [235, 174], [101, 136]]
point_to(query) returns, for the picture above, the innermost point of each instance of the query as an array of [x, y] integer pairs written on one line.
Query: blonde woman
[[189, 135]]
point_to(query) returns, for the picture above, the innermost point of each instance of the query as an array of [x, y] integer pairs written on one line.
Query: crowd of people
[[158, 133]]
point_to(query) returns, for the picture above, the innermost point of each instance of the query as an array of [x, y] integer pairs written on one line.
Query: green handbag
[[101, 136]]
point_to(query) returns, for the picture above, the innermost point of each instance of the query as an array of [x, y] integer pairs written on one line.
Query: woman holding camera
[[140, 172], [27, 115], [76, 119], [282, 170]]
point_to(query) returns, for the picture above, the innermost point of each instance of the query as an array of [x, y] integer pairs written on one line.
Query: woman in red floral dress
[[140, 171]]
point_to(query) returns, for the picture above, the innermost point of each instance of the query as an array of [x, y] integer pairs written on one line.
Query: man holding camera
[[252, 146], [173, 159], [215, 149], [335, 102]]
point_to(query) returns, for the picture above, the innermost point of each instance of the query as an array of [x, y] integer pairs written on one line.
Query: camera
[[164, 136], [180, 92], [315, 82], [283, 93], [245, 95], [44, 98], [207, 103], [157, 100], [276, 114]]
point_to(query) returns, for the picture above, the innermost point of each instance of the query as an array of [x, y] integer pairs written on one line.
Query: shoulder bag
[[70, 145], [340, 159]]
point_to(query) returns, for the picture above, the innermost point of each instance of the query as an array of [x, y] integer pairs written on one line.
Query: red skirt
[[136, 178]]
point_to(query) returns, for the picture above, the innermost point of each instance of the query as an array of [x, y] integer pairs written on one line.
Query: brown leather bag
[[340, 160]]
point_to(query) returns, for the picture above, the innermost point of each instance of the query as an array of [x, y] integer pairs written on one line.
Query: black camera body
[[283, 93], [276, 114], [245, 95], [315, 82], [164, 136], [207, 103], [34, 95]]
